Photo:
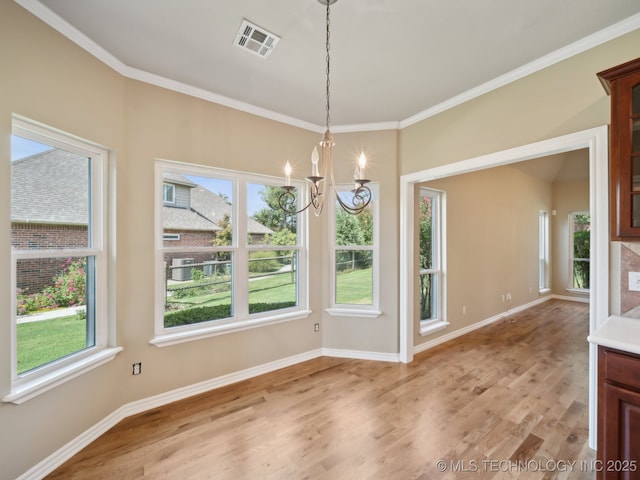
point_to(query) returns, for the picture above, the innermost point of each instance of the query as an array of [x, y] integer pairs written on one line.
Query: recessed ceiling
[[391, 60]]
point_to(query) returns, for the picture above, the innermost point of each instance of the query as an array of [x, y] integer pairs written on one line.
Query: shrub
[[216, 312], [269, 264], [68, 290]]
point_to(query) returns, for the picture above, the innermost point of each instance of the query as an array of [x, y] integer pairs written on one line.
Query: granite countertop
[[621, 333]]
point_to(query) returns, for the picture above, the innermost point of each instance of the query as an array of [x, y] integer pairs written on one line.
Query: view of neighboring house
[[57, 217], [192, 214]]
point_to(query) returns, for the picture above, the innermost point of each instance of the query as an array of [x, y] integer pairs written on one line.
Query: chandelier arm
[[361, 200], [287, 198]]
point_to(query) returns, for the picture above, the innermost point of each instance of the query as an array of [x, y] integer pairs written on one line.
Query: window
[[354, 254], [228, 258], [59, 262], [430, 231], [543, 252], [169, 193], [580, 251]]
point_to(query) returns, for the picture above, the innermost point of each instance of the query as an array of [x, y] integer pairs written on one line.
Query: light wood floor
[[506, 401]]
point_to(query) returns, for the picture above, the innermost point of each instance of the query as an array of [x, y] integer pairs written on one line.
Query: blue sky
[[21, 147]]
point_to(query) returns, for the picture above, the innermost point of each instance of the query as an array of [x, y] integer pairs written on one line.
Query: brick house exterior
[[57, 216]]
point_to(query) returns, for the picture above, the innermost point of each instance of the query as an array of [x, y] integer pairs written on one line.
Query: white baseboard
[[483, 323], [361, 355], [74, 446]]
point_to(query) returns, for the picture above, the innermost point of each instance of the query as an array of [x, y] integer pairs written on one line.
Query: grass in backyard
[[44, 341], [355, 287]]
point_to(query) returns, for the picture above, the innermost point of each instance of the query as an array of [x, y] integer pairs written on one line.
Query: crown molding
[[614, 31], [62, 26]]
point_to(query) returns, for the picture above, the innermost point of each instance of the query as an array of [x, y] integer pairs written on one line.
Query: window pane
[[581, 250], [428, 296], [426, 236], [198, 287], [354, 277], [169, 193], [267, 223], [201, 212], [273, 280], [52, 318], [50, 201], [354, 229]]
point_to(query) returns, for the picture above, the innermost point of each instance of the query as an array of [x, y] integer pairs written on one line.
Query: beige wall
[[492, 243], [55, 82], [47, 78], [561, 99]]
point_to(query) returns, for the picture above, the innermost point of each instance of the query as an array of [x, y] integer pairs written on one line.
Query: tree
[[272, 216], [223, 237], [426, 259], [581, 250]]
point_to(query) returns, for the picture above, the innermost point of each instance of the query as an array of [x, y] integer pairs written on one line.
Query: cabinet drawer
[[622, 368]]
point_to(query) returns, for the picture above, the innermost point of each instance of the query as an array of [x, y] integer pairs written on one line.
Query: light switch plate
[[634, 281]]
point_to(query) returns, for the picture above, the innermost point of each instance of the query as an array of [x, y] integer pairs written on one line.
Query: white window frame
[[347, 310], [543, 252], [168, 187], [29, 384], [240, 319], [439, 321], [571, 288]]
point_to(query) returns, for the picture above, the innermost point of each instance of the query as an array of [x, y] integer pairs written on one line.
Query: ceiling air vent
[[255, 39]]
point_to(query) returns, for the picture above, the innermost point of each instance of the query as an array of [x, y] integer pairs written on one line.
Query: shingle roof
[[50, 187], [214, 207]]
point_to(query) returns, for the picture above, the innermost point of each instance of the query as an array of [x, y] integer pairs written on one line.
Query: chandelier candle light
[[323, 162]]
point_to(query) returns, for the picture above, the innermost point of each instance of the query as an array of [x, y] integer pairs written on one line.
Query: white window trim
[[35, 382], [241, 320], [346, 310], [570, 288], [439, 322]]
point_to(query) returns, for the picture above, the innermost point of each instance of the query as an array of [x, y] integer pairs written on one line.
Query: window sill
[[544, 291], [578, 291], [29, 389], [188, 333], [353, 312], [432, 326]]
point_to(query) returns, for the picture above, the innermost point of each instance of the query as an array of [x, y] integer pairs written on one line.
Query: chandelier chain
[[328, 45], [321, 177]]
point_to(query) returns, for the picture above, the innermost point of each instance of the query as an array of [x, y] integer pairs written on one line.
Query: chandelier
[[322, 166]]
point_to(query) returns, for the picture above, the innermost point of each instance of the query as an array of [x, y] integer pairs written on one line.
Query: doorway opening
[[596, 141]]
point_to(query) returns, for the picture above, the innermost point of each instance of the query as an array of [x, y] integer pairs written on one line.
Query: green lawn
[[355, 288], [48, 340]]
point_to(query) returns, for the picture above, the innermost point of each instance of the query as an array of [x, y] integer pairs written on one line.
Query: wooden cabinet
[[623, 84], [618, 415]]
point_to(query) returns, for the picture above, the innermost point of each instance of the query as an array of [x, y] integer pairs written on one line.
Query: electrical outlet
[[137, 368], [316, 327], [464, 310]]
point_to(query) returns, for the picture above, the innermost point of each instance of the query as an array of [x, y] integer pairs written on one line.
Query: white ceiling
[[392, 61]]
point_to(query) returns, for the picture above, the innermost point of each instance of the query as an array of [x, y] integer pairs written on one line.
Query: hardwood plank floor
[[505, 401]]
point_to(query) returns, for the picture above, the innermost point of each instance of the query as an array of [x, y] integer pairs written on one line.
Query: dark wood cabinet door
[[619, 448], [623, 83]]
